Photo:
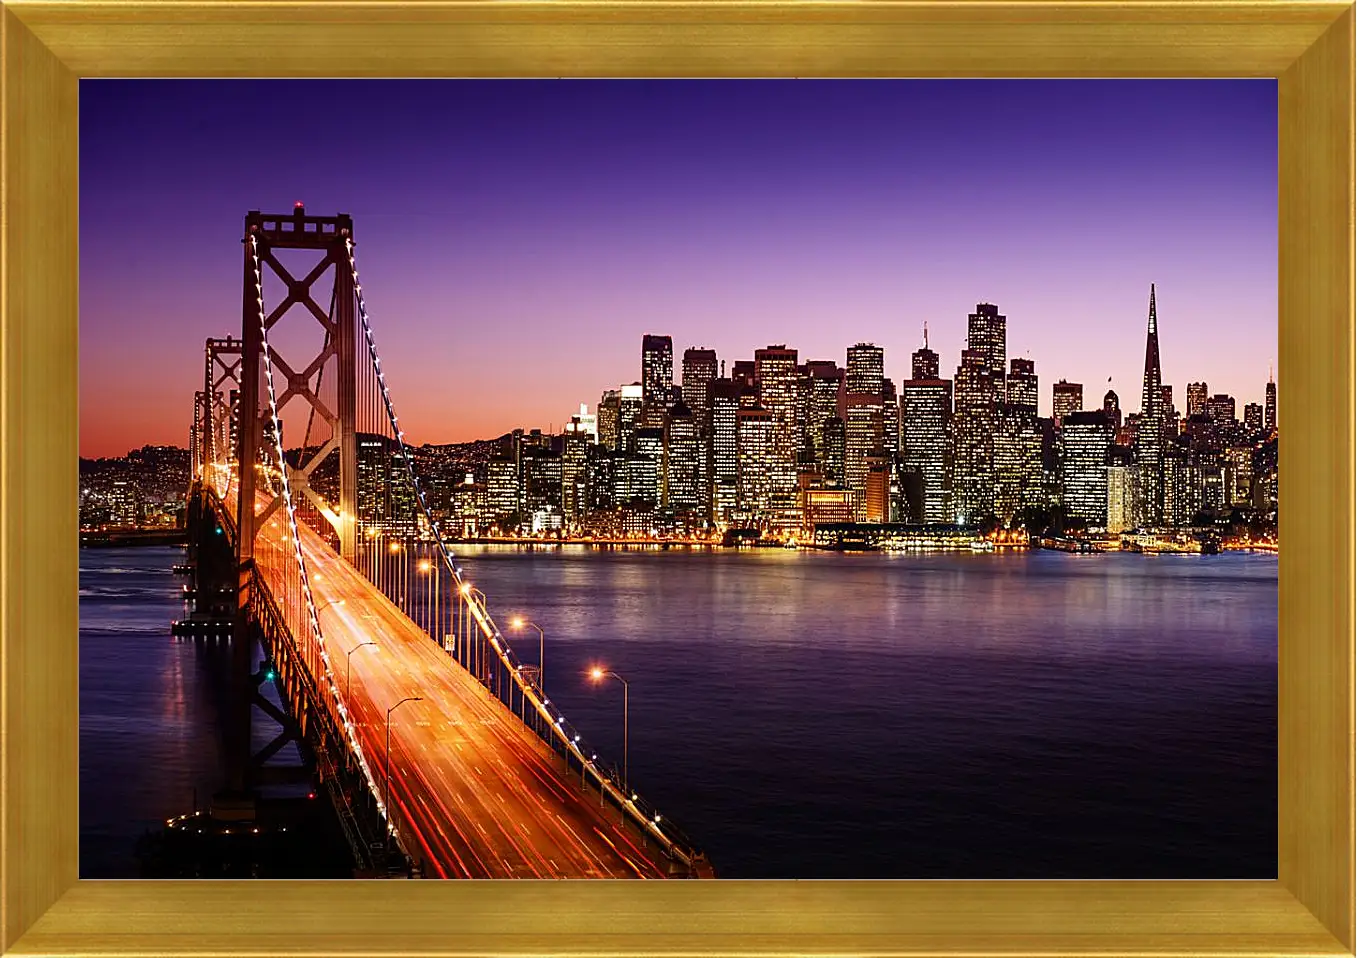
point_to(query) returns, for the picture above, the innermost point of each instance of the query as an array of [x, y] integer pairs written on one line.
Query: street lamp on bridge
[[598, 674], [387, 763], [517, 623], [348, 663]]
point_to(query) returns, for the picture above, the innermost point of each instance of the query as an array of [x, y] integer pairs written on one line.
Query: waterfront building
[[821, 505], [1085, 437]]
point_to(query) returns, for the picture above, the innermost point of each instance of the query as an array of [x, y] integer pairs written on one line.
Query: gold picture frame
[[47, 45]]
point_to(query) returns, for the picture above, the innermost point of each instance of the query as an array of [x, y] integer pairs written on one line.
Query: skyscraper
[[1017, 445], [1022, 390], [863, 440], [583, 421], [925, 361], [575, 472], [925, 427], [1149, 447], [835, 444], [866, 369], [631, 400], [1120, 491], [650, 446], [657, 378], [1065, 399], [1112, 409], [724, 400], [890, 420], [742, 371], [1086, 437], [775, 368], [610, 419], [755, 436], [1220, 408], [986, 331], [1196, 399], [681, 459], [978, 399], [1253, 418], [657, 367], [1270, 404], [822, 405], [699, 368]]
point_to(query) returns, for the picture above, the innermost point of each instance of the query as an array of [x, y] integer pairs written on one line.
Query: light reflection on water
[[818, 715]]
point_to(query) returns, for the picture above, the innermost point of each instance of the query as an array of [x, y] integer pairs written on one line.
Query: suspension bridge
[[313, 546]]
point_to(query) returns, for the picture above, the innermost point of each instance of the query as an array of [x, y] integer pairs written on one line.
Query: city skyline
[[813, 224]]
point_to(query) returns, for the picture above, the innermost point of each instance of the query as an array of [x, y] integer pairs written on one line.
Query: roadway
[[475, 793]]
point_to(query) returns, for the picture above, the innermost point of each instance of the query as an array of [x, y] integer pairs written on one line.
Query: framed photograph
[[448, 646]]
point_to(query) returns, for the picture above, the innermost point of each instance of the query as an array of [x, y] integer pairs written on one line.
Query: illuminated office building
[[1086, 438], [1065, 399], [925, 447], [699, 369], [775, 368]]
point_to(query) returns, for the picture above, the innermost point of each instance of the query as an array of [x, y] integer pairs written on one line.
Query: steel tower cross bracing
[[328, 236], [221, 386]]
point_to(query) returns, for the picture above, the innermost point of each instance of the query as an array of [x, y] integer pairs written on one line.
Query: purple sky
[[516, 238]]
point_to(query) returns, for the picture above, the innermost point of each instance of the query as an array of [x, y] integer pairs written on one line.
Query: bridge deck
[[475, 792]]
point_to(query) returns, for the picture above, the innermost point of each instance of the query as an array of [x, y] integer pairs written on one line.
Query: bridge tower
[[297, 376], [221, 392]]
